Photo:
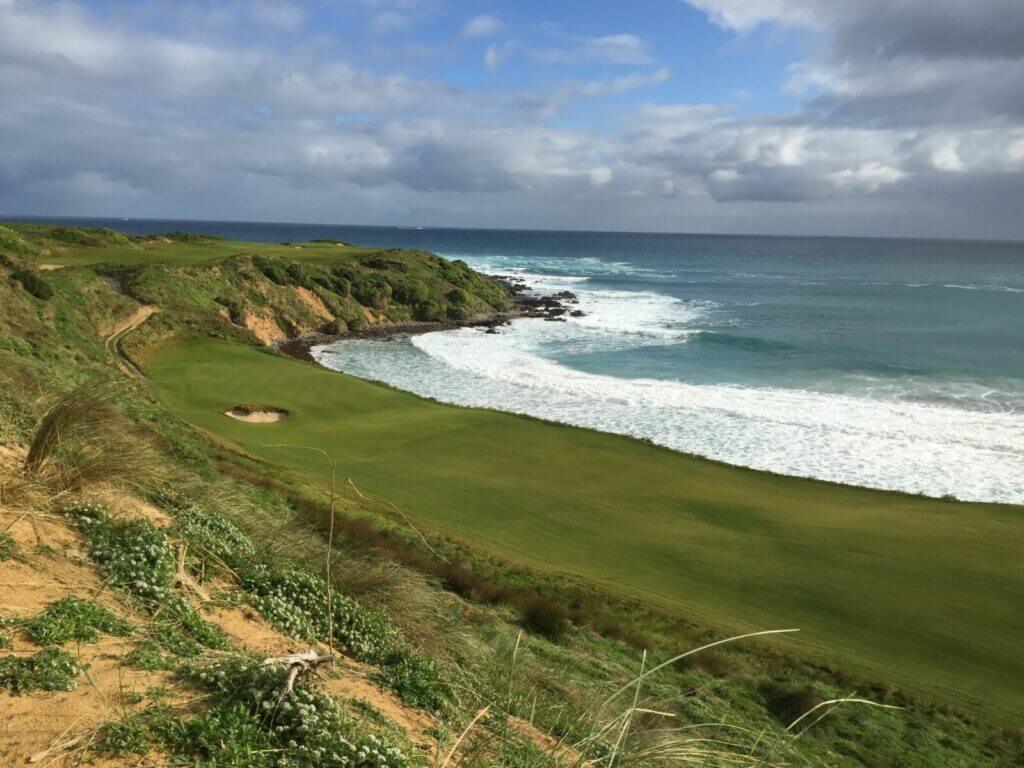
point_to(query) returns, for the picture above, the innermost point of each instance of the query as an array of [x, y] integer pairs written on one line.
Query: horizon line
[[666, 233]]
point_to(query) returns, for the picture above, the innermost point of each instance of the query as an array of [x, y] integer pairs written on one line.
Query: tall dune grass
[[80, 440]]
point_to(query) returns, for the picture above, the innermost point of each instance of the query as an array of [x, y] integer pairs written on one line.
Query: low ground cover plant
[[137, 557], [251, 720], [8, 546], [75, 619], [50, 669]]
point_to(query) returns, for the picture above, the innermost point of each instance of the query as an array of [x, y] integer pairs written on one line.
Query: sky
[[834, 117]]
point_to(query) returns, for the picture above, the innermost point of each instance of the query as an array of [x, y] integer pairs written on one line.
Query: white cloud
[[622, 48], [483, 25], [617, 85], [946, 159], [744, 15], [600, 176], [496, 53], [868, 177]]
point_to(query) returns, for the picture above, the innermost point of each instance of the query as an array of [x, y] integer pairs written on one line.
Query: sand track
[[112, 343]]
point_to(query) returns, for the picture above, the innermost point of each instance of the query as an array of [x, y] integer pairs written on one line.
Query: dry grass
[[420, 611], [80, 440], [618, 725]]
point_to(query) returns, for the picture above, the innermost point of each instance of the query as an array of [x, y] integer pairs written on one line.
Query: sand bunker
[[257, 414]]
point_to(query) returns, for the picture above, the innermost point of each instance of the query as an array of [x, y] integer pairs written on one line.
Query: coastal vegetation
[[500, 590]]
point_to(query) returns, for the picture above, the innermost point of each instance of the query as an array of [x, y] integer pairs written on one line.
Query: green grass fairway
[[924, 593], [187, 254]]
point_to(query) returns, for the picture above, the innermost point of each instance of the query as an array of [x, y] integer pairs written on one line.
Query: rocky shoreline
[[552, 308]]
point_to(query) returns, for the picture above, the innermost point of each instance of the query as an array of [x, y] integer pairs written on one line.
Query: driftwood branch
[[59, 746], [182, 579], [299, 664], [405, 517]]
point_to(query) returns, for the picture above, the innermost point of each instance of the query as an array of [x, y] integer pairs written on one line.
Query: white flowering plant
[[303, 728], [137, 557], [50, 669]]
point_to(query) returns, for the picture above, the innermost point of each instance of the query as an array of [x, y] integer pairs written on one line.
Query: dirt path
[[112, 343]]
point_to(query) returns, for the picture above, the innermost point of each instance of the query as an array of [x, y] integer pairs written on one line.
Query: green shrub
[[50, 669], [341, 286], [272, 269], [32, 282], [131, 736], [456, 272], [74, 619], [430, 310], [294, 602], [414, 679], [231, 735], [787, 702], [356, 321], [132, 554], [408, 291], [299, 275], [87, 237], [137, 557], [210, 533], [373, 291], [149, 656], [378, 261], [322, 278], [13, 242], [188, 237], [235, 310], [336, 327], [303, 730], [458, 312], [458, 296], [347, 272], [168, 635], [8, 546], [544, 617]]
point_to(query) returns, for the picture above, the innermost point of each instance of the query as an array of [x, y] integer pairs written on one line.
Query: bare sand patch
[[257, 414], [314, 302], [49, 267], [263, 328], [51, 564]]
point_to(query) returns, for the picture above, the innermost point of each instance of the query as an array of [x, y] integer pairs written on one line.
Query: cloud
[[600, 176], [617, 85], [901, 63], [744, 15], [496, 53], [389, 23], [920, 133], [619, 48], [483, 25]]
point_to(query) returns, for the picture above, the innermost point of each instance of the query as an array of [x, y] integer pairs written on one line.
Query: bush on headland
[[35, 284], [373, 290]]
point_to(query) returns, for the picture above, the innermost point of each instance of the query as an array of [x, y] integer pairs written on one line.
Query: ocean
[[895, 364]]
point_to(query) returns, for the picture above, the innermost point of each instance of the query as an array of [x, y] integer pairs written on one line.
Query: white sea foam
[[875, 438], [953, 286]]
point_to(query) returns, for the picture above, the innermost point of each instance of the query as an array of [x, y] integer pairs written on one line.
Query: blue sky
[[775, 116]]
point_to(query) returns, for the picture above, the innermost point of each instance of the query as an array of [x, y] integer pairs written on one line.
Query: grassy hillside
[[597, 548], [895, 585], [268, 291]]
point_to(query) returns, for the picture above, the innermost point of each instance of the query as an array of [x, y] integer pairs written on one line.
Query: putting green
[[924, 593]]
